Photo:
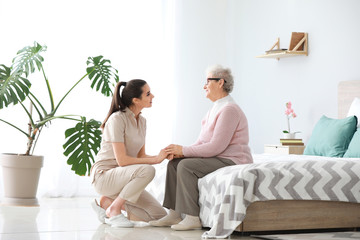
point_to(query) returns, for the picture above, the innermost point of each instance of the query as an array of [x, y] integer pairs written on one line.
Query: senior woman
[[223, 141]]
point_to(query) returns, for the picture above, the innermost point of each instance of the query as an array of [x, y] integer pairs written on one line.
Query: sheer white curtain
[[136, 35]]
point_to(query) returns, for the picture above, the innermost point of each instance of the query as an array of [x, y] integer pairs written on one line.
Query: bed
[[282, 192], [279, 193]]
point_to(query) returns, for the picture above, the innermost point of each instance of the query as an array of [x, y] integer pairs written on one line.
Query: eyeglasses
[[215, 79]]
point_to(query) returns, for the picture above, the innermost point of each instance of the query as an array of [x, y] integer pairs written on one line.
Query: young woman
[[122, 169]]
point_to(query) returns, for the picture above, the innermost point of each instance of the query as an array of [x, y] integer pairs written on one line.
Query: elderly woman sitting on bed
[[223, 141]]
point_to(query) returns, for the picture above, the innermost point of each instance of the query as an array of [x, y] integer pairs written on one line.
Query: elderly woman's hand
[[172, 157], [174, 149]]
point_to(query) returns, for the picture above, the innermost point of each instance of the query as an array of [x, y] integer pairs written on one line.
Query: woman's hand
[[161, 156], [174, 149]]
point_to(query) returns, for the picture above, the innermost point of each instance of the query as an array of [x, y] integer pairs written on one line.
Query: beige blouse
[[120, 127]]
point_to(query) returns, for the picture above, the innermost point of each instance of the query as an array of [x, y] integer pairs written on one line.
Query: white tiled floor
[[73, 218]]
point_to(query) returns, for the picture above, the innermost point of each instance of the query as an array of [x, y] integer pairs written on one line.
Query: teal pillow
[[331, 137], [354, 147]]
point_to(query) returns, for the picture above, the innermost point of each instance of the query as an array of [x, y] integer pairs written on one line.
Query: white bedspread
[[226, 193]]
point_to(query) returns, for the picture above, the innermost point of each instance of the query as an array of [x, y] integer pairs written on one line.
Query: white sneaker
[[100, 212], [119, 221]]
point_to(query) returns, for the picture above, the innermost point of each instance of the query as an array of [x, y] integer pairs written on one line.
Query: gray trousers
[[181, 187]]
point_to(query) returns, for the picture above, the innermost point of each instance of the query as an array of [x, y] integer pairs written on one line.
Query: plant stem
[[55, 117], [29, 144], [288, 122], [31, 121], [15, 127], [38, 102], [70, 91], [34, 105], [49, 89], [37, 138]]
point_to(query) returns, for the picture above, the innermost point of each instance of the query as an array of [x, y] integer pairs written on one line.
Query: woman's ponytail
[[118, 94], [123, 98], [116, 102]]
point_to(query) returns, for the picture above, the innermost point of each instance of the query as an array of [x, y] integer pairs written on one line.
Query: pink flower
[[289, 112], [288, 105]]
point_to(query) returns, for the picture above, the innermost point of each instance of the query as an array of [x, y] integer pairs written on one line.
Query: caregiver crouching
[[223, 141]]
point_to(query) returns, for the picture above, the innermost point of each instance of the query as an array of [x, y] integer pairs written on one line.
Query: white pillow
[[355, 109]]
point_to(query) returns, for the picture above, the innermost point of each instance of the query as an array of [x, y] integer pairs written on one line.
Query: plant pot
[[20, 177], [289, 135]]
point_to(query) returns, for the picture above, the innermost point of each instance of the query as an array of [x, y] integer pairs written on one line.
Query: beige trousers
[[129, 183]]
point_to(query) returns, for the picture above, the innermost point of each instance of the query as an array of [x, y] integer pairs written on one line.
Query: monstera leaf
[[101, 73], [83, 143], [27, 58], [13, 87]]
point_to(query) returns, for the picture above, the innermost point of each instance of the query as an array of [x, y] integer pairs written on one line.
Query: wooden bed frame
[[281, 215]]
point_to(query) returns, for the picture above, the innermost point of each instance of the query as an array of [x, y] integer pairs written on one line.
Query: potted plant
[[82, 141]]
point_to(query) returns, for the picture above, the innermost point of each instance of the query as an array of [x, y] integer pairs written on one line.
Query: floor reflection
[[105, 232], [73, 218], [23, 221]]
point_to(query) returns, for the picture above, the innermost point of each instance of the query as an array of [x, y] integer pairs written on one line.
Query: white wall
[[200, 40], [233, 32]]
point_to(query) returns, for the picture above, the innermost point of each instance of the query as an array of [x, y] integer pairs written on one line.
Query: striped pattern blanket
[[226, 193]]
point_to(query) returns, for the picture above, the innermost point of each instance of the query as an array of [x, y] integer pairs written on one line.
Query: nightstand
[[283, 150]]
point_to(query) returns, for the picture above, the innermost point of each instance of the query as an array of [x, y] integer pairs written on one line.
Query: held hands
[[172, 156], [174, 151], [170, 152]]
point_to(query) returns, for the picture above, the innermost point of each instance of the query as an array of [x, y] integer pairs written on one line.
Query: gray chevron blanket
[[226, 193]]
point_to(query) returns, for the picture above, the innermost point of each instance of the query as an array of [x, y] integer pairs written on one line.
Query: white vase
[[289, 135], [20, 177]]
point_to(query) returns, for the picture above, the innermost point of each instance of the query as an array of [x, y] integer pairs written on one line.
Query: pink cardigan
[[226, 137]]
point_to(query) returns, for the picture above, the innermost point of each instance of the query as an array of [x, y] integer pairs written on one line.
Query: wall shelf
[[298, 47]]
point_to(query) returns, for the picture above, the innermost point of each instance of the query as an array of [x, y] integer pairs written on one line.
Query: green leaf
[[82, 144], [102, 75], [13, 87], [27, 58]]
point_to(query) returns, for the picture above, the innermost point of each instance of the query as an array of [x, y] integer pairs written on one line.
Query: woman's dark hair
[[132, 89]]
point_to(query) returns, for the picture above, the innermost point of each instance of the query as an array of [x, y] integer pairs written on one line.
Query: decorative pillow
[[354, 147], [331, 137], [354, 109]]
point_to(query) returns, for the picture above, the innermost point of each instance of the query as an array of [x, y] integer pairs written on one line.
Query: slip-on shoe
[[100, 212], [164, 223], [184, 227], [119, 221]]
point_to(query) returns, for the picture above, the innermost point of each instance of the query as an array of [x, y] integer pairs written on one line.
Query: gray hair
[[218, 71]]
